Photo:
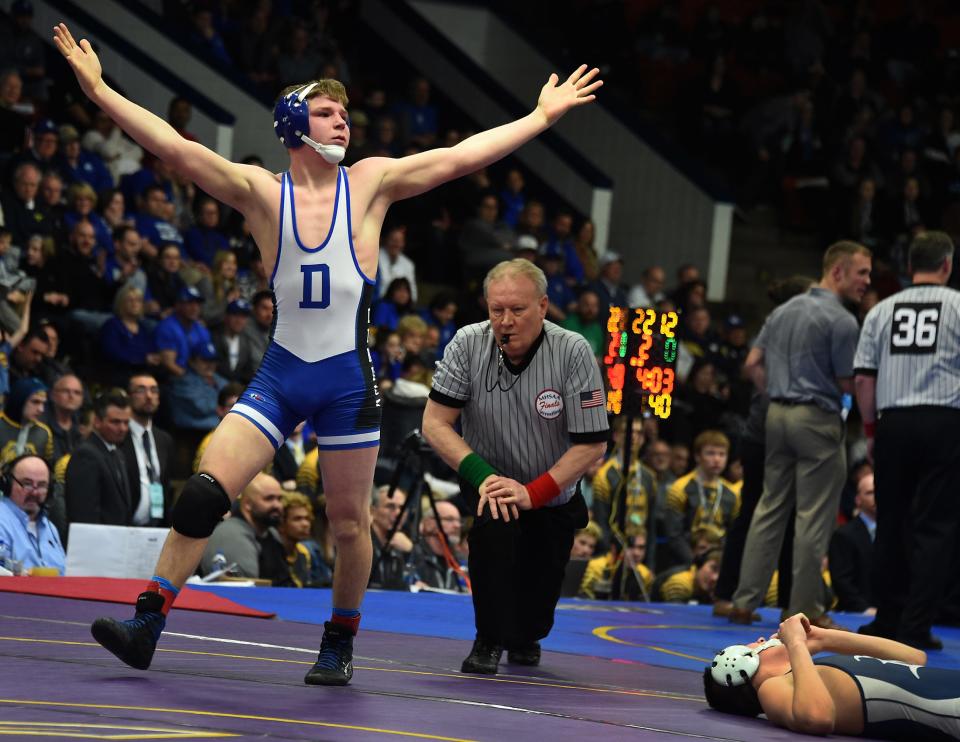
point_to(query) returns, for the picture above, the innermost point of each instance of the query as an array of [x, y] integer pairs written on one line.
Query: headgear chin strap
[[738, 663], [291, 122]]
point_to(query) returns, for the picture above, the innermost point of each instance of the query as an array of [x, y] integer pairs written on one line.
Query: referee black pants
[[516, 570], [917, 466]]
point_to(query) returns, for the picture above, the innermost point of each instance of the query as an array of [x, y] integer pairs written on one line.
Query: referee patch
[[591, 399], [549, 404]]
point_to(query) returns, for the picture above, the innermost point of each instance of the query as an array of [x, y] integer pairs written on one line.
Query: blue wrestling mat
[[683, 637]]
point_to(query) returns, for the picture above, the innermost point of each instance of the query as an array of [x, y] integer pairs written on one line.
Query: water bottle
[[219, 562], [5, 559]]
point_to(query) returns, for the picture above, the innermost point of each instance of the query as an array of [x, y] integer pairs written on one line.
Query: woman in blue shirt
[[125, 340]]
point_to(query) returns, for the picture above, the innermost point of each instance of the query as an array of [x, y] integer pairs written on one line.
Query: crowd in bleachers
[[132, 302]]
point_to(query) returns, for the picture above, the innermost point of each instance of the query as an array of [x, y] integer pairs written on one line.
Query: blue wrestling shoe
[[135, 640], [334, 665]]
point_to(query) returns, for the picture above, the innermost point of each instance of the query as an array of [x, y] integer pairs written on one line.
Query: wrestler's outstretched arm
[[224, 180], [409, 176]]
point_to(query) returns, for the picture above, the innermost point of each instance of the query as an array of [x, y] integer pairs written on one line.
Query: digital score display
[[640, 361]]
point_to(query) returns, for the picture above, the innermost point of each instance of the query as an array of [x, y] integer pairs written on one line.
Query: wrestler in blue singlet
[[902, 701], [317, 366]]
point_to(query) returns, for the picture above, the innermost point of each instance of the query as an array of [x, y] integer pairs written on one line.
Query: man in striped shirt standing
[[529, 398], [908, 388]]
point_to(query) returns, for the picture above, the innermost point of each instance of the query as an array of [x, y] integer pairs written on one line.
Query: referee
[[530, 401], [908, 388]]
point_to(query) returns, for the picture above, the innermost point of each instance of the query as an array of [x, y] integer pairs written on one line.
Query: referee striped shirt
[[523, 418], [911, 342]]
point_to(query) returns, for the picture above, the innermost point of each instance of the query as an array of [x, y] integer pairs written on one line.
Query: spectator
[[53, 365], [61, 415], [7, 343], [235, 361], [585, 319], [412, 331], [851, 554], [28, 51], [43, 150], [418, 117], [485, 240], [258, 331], [13, 121], [585, 541], [81, 200], [96, 484], [204, 35], [22, 213], [219, 288], [389, 560], [679, 459], [610, 292], [120, 154], [649, 292], [32, 539], [80, 277], [693, 584], [52, 202], [561, 244], [561, 298], [864, 214], [148, 455], [125, 340], [113, 208], [181, 332], [204, 239], [226, 398], [78, 166], [387, 358], [254, 279], [586, 251], [28, 355], [397, 302], [21, 429], [657, 459], [394, 264], [306, 566], [123, 268], [179, 113], [512, 197], [639, 493], [701, 497], [152, 222], [249, 539], [193, 395], [532, 221], [164, 282], [440, 314], [433, 561], [603, 578], [288, 458]]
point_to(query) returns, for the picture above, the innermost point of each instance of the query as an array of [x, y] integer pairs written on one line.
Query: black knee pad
[[200, 507]]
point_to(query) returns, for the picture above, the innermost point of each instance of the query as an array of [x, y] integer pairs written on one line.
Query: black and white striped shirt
[[911, 342], [522, 419]]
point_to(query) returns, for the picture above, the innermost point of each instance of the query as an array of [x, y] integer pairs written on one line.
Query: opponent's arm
[[222, 179], [412, 175]]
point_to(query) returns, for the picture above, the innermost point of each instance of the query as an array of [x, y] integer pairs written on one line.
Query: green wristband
[[474, 469]]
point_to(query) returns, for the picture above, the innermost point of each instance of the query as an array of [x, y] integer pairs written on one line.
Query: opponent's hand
[[557, 98], [498, 504], [80, 57]]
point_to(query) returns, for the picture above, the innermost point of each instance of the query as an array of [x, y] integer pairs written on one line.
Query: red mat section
[[115, 590]]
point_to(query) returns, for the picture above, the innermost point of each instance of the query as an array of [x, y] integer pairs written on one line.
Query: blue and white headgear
[[736, 664], [291, 122]]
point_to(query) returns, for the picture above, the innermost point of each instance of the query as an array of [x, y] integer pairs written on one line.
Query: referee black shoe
[[135, 640], [483, 658], [334, 665], [926, 641], [526, 654]]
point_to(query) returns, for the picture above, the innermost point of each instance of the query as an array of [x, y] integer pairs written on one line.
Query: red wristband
[[542, 490], [869, 429]]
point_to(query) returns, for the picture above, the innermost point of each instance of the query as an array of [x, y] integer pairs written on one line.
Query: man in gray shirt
[[803, 359], [248, 538]]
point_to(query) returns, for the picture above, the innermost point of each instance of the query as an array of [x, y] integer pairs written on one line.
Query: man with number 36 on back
[[908, 389], [318, 229]]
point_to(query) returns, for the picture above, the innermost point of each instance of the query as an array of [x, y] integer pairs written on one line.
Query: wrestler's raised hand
[[80, 57], [557, 98]]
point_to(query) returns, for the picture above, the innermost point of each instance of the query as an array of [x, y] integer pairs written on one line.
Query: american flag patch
[[591, 399]]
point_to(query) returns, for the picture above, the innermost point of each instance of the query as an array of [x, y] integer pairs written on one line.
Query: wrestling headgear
[[291, 122], [736, 664]]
